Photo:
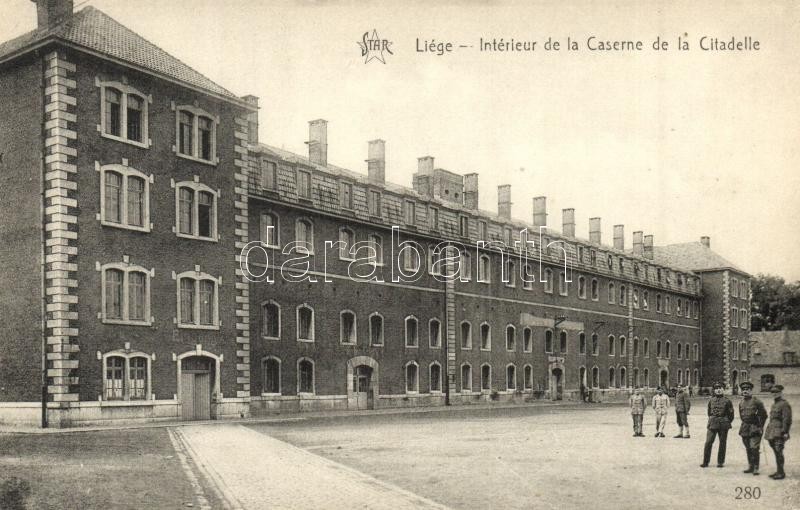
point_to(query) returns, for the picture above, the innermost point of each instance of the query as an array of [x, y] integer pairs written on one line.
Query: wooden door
[[187, 396], [202, 396]]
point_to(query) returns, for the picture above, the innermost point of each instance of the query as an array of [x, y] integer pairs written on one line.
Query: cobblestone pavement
[[254, 471], [546, 458]]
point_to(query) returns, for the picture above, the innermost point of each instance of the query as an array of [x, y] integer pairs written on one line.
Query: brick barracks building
[[134, 183]]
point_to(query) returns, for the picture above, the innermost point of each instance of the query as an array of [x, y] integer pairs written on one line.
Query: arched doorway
[[663, 380], [197, 377], [362, 383], [557, 383]]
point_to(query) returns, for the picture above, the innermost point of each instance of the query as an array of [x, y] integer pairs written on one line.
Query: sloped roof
[[769, 346], [694, 256], [94, 30]]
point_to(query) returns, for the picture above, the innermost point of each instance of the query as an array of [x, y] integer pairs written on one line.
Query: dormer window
[[196, 134], [123, 113]]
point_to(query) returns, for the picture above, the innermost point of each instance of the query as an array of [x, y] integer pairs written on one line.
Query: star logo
[[373, 47]]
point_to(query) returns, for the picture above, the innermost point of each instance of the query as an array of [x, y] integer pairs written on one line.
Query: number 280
[[748, 492]]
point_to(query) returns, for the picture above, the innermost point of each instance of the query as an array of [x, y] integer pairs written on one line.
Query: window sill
[[306, 340], [126, 403], [143, 145], [272, 394], [210, 327], [270, 337], [434, 347], [305, 394], [486, 349], [466, 348], [213, 239], [352, 344], [376, 345], [197, 160], [125, 322], [124, 226], [412, 346]]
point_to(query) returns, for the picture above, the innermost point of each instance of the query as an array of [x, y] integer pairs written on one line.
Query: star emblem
[[372, 47]]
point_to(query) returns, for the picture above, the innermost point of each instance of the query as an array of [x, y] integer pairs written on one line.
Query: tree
[[775, 303]]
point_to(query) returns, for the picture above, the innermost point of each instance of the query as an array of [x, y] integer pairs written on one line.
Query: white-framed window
[[412, 331], [623, 379], [511, 377], [198, 300], [611, 345], [434, 258], [435, 377], [527, 378], [271, 320], [667, 349], [486, 337], [305, 323], [196, 134], [434, 333], [595, 290], [126, 375], [581, 287], [734, 317], [679, 354], [623, 346], [466, 378], [347, 239], [563, 289], [305, 376], [734, 349], [612, 295], [271, 370], [347, 327], [527, 340], [346, 195], [484, 269], [696, 351], [548, 280], [595, 377], [269, 229], [196, 211], [466, 335], [646, 348], [123, 113], [612, 377], [548, 340], [743, 323], [658, 348], [124, 197], [376, 243], [125, 294], [734, 287], [303, 183], [465, 268], [412, 377], [412, 256], [376, 329], [581, 343], [304, 235], [486, 377], [511, 338], [667, 305]]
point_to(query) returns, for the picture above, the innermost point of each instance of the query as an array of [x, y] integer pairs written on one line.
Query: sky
[[678, 144]]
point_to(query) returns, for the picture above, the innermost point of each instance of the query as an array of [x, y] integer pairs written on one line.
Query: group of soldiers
[[720, 417]]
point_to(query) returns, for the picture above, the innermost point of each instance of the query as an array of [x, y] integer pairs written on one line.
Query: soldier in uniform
[[682, 406], [720, 417], [777, 433], [660, 406], [753, 415], [638, 405]]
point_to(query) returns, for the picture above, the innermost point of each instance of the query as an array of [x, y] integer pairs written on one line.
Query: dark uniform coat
[[720, 413], [780, 420], [753, 415], [682, 403]]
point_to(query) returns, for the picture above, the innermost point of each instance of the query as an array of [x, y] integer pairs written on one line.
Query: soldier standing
[[682, 406], [753, 415], [720, 417], [777, 433], [660, 406], [638, 405]]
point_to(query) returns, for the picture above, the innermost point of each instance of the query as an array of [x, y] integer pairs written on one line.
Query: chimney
[[425, 165], [318, 142], [638, 243], [504, 201], [539, 212], [50, 13], [252, 120], [706, 241], [471, 191], [619, 237], [568, 222], [648, 247], [594, 230], [376, 161]]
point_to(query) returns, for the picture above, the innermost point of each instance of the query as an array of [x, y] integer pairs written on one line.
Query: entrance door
[[558, 384], [362, 387], [664, 382], [196, 376]]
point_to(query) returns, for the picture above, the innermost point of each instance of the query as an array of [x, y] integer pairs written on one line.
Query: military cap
[[747, 385], [776, 388], [718, 385]]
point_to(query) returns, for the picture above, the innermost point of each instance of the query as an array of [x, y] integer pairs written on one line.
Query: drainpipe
[[43, 306]]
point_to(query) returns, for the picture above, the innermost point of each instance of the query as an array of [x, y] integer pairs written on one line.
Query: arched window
[[198, 305], [115, 378], [680, 376], [548, 341], [376, 329], [486, 337], [127, 376], [658, 303], [305, 376], [196, 211], [305, 323], [562, 337], [646, 348], [645, 300], [595, 345], [636, 378], [595, 289], [124, 197], [530, 277], [484, 269], [412, 331], [548, 280], [743, 350], [658, 348], [347, 327], [595, 377], [582, 343], [412, 256], [680, 351], [125, 294], [612, 380], [696, 352], [347, 240], [696, 377], [434, 259], [196, 133], [646, 381], [511, 338], [123, 113], [486, 377], [623, 380], [511, 377], [635, 294], [466, 335], [466, 378], [465, 267], [667, 305], [667, 350], [527, 340], [434, 333], [527, 378], [271, 320], [304, 235], [510, 275], [412, 377], [679, 306], [563, 289], [435, 373], [376, 244], [270, 229], [582, 287], [636, 347], [623, 346], [271, 367], [612, 296], [611, 345], [623, 295]]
